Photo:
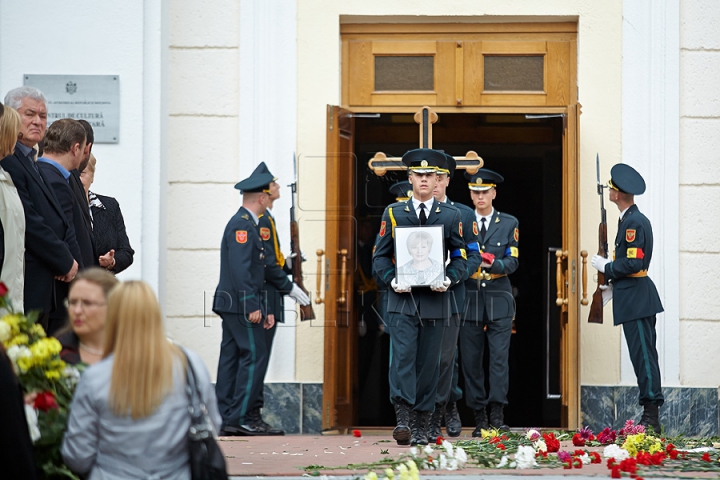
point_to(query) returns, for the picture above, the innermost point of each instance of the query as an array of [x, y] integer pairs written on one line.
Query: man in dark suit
[[238, 300], [84, 229], [635, 299], [48, 232], [276, 285], [448, 392], [489, 303], [64, 147], [417, 315]]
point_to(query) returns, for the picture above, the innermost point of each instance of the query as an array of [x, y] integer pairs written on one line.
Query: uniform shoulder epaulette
[[245, 216]]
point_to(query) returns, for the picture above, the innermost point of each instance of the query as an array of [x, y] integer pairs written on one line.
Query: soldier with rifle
[[635, 298]]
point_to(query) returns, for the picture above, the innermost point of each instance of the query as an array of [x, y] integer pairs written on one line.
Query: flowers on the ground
[[533, 435], [525, 457], [607, 436], [631, 429], [641, 442], [357, 433], [615, 452], [553, 444]]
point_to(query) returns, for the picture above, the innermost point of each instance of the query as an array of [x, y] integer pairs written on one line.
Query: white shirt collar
[[622, 214], [428, 205], [486, 217]]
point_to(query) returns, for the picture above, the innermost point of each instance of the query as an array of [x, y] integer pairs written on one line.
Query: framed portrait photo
[[419, 255]]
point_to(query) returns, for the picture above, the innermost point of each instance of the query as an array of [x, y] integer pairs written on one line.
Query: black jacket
[[109, 233], [47, 233]]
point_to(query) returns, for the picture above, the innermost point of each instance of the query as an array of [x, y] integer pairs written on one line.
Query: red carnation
[[502, 447], [673, 454], [706, 457], [595, 457], [357, 433], [3, 289], [578, 441], [439, 440], [578, 463], [567, 465], [615, 473], [45, 401], [553, 444]]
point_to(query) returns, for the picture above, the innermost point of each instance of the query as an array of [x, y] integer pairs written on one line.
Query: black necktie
[[483, 230], [422, 216]]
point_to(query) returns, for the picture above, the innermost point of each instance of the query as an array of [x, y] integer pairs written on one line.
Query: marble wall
[[690, 411], [294, 407]]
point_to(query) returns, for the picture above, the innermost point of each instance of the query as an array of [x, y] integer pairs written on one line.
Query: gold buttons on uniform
[[483, 284]]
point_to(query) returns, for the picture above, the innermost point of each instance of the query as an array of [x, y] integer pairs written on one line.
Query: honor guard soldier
[[448, 391], [276, 286], [244, 351], [489, 307], [416, 315], [635, 298]]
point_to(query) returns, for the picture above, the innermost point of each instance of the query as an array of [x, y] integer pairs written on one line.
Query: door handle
[[548, 311], [318, 297], [559, 256], [343, 254], [584, 255]]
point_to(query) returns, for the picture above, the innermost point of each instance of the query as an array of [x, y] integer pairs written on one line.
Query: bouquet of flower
[[46, 380]]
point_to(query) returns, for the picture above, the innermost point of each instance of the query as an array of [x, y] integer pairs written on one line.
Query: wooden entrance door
[[568, 274], [340, 327]]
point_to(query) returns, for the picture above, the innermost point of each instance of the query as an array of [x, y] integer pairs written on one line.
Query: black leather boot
[[651, 417], [418, 425], [497, 416], [453, 424], [481, 422], [402, 433], [434, 428], [262, 425]]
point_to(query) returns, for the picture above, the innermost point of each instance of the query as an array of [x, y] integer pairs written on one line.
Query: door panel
[[340, 329]]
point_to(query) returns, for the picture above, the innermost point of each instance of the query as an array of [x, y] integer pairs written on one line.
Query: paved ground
[[286, 456]]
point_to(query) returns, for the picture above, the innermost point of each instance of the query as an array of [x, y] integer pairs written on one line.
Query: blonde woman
[[129, 417], [12, 216]]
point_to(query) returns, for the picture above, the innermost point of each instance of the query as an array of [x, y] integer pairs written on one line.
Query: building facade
[[207, 93]]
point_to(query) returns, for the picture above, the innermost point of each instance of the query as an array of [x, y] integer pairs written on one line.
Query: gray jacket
[[108, 447]]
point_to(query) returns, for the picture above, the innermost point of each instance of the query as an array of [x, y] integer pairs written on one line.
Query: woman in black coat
[[109, 235]]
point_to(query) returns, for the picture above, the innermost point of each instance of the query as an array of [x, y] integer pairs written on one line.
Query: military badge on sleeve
[[630, 235], [241, 236], [382, 229], [516, 235], [265, 233], [460, 228], [475, 229]]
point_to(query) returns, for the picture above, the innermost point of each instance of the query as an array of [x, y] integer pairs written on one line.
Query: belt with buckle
[[487, 276], [641, 273]]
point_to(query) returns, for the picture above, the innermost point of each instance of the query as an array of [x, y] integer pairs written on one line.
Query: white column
[[651, 144], [268, 98], [154, 144]]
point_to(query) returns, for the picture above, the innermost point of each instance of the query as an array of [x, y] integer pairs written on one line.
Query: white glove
[[290, 257], [400, 287], [599, 262], [440, 285], [607, 293], [299, 296]]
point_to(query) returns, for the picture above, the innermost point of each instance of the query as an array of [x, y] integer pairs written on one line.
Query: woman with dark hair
[[109, 235], [129, 417]]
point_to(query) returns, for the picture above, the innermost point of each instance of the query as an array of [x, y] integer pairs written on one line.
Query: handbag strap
[[196, 403]]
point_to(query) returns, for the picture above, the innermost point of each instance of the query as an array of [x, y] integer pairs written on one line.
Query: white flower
[[5, 331], [540, 446], [371, 476], [533, 435], [448, 447], [443, 462], [453, 464], [32, 421], [503, 461], [460, 456], [414, 451], [428, 450], [616, 452], [17, 352], [72, 375], [585, 458], [525, 457]]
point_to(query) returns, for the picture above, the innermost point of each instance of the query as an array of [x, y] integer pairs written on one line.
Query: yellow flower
[[655, 447], [20, 339], [38, 330], [5, 331], [52, 374], [389, 473], [489, 433], [25, 364], [371, 476]]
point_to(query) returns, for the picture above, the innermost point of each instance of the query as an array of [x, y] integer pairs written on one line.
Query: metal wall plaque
[[95, 98]]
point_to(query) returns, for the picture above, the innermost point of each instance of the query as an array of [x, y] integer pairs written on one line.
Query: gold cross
[[381, 163]]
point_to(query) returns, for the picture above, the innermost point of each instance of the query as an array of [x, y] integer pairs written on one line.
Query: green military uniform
[[489, 303], [416, 318], [635, 298]]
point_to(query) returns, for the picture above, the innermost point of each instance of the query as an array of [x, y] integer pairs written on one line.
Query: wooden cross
[[381, 163]]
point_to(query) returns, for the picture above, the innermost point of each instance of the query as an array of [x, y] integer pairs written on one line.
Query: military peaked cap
[[484, 179], [626, 179], [424, 160], [258, 181]]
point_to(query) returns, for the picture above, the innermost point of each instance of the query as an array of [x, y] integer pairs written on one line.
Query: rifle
[[306, 311], [596, 308]]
